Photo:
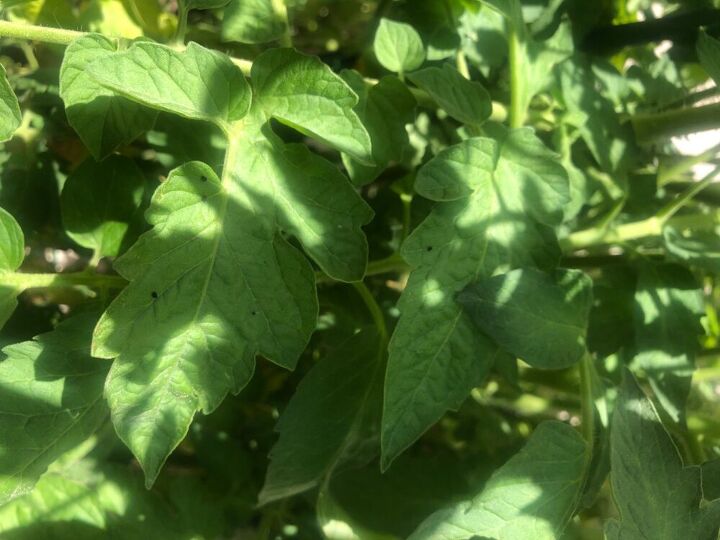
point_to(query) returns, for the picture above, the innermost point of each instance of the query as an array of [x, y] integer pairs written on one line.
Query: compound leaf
[[466, 101], [536, 316], [254, 21], [323, 416], [498, 203], [12, 253], [668, 307], [10, 115], [100, 203], [398, 46], [533, 495], [103, 120], [196, 83], [657, 496], [51, 399]]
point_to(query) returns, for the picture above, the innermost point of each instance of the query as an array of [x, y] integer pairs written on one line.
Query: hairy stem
[[45, 34], [375, 311], [661, 126]]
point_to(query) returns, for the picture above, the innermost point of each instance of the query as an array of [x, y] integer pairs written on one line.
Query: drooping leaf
[[398, 46], [100, 203], [668, 307], [324, 416], [657, 496], [538, 317], [10, 115], [699, 248], [51, 399], [498, 201], [197, 83], [103, 120], [12, 253], [254, 21], [534, 494], [384, 109], [466, 101]]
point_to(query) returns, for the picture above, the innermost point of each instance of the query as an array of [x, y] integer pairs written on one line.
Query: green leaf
[[323, 417], [303, 93], [498, 203], [103, 120], [536, 490], [668, 307], [51, 399], [711, 479], [697, 247], [384, 109], [593, 114], [196, 83], [12, 253], [10, 115], [538, 317], [466, 101], [398, 46], [254, 21], [100, 203], [708, 49], [657, 496]]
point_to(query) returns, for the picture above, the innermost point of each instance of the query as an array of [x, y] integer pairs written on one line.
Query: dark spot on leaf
[[254, 313], [154, 294], [429, 248], [204, 197], [203, 178]]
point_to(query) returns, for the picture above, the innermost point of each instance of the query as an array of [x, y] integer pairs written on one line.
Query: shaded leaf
[[324, 417], [254, 21], [12, 253], [699, 248], [103, 120], [100, 203], [498, 203], [51, 399], [535, 493], [668, 307], [538, 317], [466, 101], [657, 496]]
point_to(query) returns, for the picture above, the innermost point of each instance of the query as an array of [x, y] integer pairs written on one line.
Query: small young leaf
[[535, 493], [10, 115], [310, 98], [657, 496], [398, 46], [668, 307], [100, 203], [12, 253], [538, 317], [254, 21], [103, 120], [385, 109], [51, 399], [466, 101], [323, 416], [196, 83], [499, 201]]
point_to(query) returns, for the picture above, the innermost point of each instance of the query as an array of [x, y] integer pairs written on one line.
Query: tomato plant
[[360, 269]]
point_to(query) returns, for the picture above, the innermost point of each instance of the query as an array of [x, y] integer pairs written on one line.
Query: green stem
[[280, 9], [45, 34], [375, 311], [21, 281], [462, 65], [681, 200], [587, 402], [677, 169], [661, 126], [517, 106], [183, 12]]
